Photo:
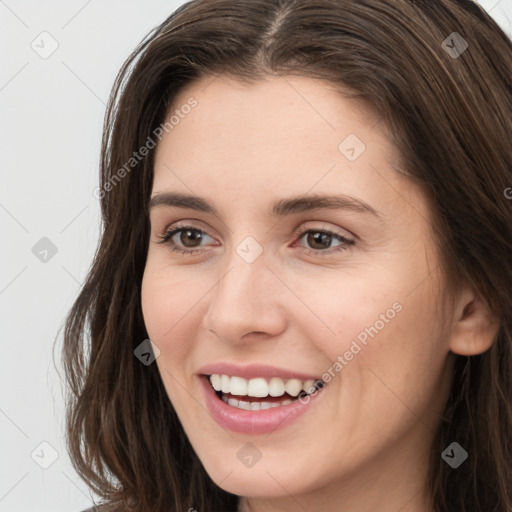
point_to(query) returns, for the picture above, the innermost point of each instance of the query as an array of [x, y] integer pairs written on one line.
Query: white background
[[51, 115]]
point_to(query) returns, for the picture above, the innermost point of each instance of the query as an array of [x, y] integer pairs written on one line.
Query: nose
[[245, 305]]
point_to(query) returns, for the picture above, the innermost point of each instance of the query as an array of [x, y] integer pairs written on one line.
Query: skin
[[365, 445]]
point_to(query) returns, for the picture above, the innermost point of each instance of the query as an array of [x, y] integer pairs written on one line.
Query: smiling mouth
[[260, 393]]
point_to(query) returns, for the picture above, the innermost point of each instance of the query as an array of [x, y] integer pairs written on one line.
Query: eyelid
[[304, 227], [174, 228], [187, 223], [191, 223]]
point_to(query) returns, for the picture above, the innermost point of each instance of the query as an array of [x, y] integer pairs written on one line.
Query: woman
[[305, 210]]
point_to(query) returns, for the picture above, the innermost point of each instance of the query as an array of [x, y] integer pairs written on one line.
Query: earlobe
[[475, 326]]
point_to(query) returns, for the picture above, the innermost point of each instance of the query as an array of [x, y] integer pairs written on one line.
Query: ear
[[475, 327]]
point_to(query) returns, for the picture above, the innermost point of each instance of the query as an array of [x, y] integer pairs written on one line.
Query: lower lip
[[254, 422]]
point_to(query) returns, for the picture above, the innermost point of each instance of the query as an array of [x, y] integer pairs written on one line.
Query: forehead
[[291, 134], [291, 108]]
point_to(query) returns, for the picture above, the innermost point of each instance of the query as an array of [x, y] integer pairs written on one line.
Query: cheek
[[380, 334], [163, 305], [346, 309], [166, 306], [174, 303], [397, 373]]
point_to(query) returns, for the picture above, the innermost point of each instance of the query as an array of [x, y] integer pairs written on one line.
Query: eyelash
[[166, 237]]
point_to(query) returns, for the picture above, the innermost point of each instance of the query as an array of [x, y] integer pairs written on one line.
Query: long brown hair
[[448, 109]]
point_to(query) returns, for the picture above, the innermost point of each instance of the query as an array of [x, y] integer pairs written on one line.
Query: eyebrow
[[279, 208]]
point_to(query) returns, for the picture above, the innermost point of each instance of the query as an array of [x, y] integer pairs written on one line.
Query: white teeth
[[276, 387], [244, 405], [260, 388], [238, 386], [257, 387], [216, 382], [293, 387], [225, 380], [308, 384], [254, 406]]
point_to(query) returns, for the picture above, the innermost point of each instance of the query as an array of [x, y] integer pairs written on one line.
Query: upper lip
[[252, 371]]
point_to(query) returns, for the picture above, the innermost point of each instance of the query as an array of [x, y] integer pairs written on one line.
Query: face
[[301, 255]]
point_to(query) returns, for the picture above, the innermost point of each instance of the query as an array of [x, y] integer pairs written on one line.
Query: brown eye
[[318, 240], [190, 237]]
